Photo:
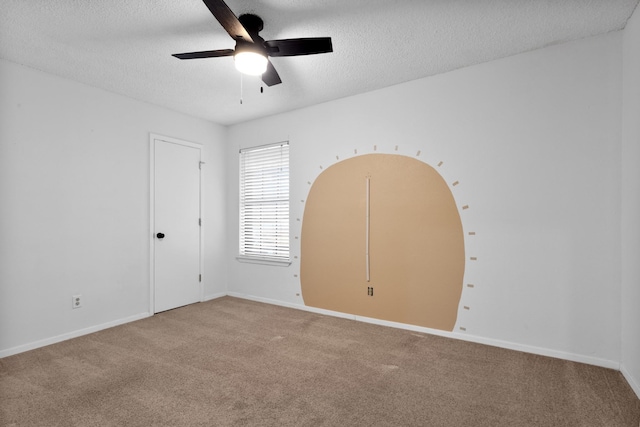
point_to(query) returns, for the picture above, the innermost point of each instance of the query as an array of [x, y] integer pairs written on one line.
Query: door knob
[[160, 235]]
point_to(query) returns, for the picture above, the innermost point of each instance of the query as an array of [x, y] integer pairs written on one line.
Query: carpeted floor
[[232, 362]]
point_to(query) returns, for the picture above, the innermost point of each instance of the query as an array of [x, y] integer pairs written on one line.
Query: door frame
[[153, 137]]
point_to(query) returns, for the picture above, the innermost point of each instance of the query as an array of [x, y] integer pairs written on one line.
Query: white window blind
[[264, 202]]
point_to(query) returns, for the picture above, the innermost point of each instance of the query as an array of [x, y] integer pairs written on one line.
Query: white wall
[[534, 140], [74, 212], [631, 204]]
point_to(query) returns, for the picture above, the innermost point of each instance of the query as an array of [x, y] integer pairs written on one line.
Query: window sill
[[263, 261]]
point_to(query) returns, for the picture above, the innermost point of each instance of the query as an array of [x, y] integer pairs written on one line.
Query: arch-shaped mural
[[416, 259]]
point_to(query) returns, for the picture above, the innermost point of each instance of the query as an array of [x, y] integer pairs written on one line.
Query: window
[[264, 204]]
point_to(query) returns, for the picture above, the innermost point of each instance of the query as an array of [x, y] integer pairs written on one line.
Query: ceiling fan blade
[[204, 54], [295, 47], [271, 77], [228, 19]]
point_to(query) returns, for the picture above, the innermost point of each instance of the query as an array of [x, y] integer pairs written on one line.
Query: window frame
[[274, 202]]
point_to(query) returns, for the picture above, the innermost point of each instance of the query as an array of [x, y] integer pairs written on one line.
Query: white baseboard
[[85, 331], [292, 305], [69, 335], [541, 351], [633, 382], [465, 337], [214, 296]]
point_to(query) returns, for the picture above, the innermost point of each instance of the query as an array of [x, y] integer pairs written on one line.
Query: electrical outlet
[[76, 301]]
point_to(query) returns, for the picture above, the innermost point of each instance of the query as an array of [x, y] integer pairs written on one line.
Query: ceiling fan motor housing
[[252, 23]]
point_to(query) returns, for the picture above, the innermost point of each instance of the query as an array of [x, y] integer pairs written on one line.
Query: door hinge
[[200, 222], [200, 165], [199, 277]]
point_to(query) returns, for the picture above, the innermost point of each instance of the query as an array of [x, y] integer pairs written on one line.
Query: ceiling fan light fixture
[[251, 63]]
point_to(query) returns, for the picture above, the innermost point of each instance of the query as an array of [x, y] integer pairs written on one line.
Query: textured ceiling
[[125, 46]]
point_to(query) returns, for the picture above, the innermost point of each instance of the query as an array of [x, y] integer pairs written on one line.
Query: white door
[[176, 223]]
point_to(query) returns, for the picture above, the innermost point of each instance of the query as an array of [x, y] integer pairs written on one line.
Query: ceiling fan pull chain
[[240, 88]]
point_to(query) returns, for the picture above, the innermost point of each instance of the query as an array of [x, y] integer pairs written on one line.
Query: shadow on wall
[[382, 238]]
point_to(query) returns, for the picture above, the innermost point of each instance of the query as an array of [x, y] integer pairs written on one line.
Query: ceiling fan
[[252, 51]]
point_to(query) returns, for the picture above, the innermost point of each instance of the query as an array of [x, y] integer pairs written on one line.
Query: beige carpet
[[232, 362]]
